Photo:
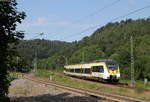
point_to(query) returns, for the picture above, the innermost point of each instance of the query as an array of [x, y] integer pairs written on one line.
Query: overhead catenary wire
[[40, 34], [116, 18], [90, 15], [96, 12]]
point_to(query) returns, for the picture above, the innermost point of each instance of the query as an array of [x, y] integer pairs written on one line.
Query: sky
[[67, 20]]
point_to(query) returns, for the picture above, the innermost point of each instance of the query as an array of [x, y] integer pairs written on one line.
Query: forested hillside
[[28, 50], [111, 41]]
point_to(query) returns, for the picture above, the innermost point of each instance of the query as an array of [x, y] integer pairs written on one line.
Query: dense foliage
[[111, 41], [9, 17], [40, 49]]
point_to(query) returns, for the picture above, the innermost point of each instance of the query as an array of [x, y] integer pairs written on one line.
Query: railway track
[[97, 94], [119, 85], [109, 84]]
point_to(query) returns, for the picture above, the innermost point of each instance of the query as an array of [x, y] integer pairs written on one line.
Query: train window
[[112, 68], [68, 70], [78, 70], [82, 70], [72, 70], [111, 63], [98, 69], [65, 69], [87, 71], [101, 69]]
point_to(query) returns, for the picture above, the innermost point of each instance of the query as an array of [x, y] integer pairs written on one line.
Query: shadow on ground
[[63, 97]]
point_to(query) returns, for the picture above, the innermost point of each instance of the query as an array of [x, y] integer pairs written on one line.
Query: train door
[[98, 71]]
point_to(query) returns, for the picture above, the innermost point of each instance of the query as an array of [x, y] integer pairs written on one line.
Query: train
[[101, 70]]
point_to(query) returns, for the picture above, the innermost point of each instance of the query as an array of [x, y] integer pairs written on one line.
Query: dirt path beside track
[[22, 90]]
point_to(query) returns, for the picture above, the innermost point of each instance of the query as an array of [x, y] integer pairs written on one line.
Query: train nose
[[113, 71], [112, 77]]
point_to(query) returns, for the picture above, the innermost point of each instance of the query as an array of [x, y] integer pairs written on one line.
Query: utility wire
[[122, 16], [40, 34], [96, 12], [93, 13]]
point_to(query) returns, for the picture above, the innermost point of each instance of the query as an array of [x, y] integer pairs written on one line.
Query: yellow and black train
[[105, 69]]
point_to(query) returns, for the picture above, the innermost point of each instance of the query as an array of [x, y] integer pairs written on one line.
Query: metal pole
[[66, 60], [35, 59], [17, 63], [83, 56], [35, 62], [132, 64]]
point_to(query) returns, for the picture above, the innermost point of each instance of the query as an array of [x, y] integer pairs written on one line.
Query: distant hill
[[43, 48], [111, 41], [28, 50]]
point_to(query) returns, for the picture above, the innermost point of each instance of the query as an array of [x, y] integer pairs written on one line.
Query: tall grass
[[138, 83], [63, 79]]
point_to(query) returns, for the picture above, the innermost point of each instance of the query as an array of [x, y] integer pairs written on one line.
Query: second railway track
[[103, 95]]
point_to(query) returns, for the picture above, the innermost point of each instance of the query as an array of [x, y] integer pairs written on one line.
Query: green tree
[[9, 18], [86, 54], [111, 41]]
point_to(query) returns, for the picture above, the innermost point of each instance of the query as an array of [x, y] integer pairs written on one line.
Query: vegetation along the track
[[111, 41], [63, 79]]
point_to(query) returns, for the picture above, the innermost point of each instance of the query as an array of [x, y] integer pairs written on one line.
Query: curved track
[[97, 94], [110, 84]]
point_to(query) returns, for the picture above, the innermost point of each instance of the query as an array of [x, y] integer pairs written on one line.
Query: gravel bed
[[22, 90]]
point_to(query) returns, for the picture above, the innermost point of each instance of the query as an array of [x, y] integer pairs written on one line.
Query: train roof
[[95, 61]]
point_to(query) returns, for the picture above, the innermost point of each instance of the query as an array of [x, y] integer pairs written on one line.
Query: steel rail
[[109, 84], [99, 94]]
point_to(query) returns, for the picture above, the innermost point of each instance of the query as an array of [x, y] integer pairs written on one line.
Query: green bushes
[[63, 79], [111, 41]]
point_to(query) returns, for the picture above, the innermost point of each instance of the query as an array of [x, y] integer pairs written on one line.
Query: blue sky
[[61, 19]]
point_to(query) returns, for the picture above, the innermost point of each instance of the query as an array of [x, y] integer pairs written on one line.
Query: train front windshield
[[112, 66]]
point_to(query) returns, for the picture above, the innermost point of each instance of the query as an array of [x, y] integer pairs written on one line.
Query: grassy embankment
[[60, 78], [139, 83], [13, 76]]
